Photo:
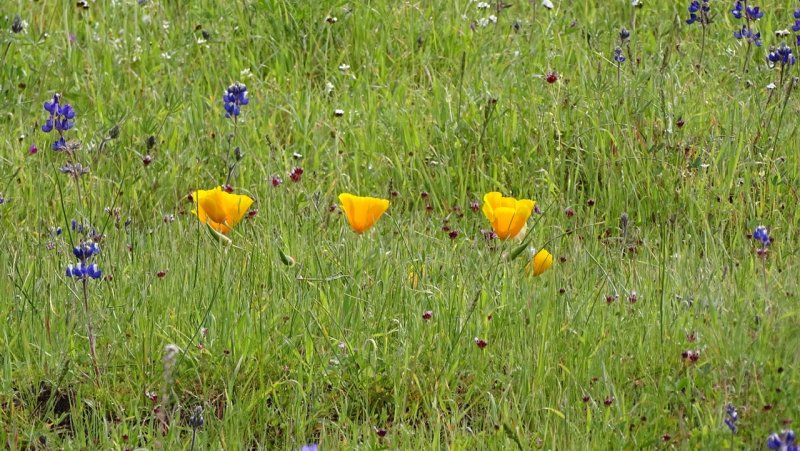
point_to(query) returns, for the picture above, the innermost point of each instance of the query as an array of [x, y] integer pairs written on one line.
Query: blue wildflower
[[797, 13], [696, 7], [62, 117], [2, 199], [83, 271], [235, 97], [737, 10], [748, 35], [731, 417], [762, 235], [785, 441], [754, 13], [85, 251], [310, 447], [618, 56], [782, 55]]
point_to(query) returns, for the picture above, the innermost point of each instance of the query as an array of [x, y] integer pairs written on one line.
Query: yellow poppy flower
[[362, 212], [507, 214], [541, 262], [219, 209]]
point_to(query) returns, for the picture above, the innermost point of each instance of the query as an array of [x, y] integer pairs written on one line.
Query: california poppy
[[219, 209], [362, 212], [541, 262], [507, 215]]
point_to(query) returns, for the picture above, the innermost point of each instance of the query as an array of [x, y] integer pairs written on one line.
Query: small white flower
[[637, 3], [166, 56], [165, 25], [328, 88], [344, 67], [493, 18], [338, 112], [782, 33], [547, 4], [483, 5], [771, 86], [482, 22], [201, 41]]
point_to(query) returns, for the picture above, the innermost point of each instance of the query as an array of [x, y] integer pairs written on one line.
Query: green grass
[[334, 347]]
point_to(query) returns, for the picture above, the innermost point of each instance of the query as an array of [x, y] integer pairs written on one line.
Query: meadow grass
[[333, 349]]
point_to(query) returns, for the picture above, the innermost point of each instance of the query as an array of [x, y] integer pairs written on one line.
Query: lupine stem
[[90, 330], [702, 44]]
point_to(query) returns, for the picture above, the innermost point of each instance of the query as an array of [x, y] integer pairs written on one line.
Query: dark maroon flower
[[424, 194], [227, 188], [381, 432], [610, 298], [394, 193], [488, 234], [276, 181], [680, 122], [569, 212], [552, 77], [608, 401], [691, 356], [590, 202], [453, 234], [146, 160], [295, 174], [252, 213], [427, 315], [474, 206], [161, 274], [481, 343], [33, 149], [632, 297]]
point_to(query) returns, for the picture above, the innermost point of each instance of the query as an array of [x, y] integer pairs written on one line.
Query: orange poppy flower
[[541, 262], [507, 214], [219, 209], [362, 212]]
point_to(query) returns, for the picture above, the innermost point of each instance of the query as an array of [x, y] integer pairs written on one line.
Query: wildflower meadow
[[375, 224]]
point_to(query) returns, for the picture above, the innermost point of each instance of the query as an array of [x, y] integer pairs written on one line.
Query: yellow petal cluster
[[507, 215], [541, 262], [219, 209], [362, 212]]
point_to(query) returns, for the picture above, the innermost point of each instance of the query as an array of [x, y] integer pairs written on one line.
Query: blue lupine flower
[[696, 7], [310, 447], [761, 235], [731, 416], [797, 13], [235, 97], [754, 13], [618, 56], [796, 26], [785, 441], [85, 251], [61, 116], [82, 271], [748, 35], [59, 144], [737, 10], [782, 55]]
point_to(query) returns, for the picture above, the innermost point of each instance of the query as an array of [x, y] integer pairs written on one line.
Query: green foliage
[[300, 331]]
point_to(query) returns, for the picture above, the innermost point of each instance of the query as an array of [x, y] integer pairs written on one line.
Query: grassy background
[[335, 347]]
